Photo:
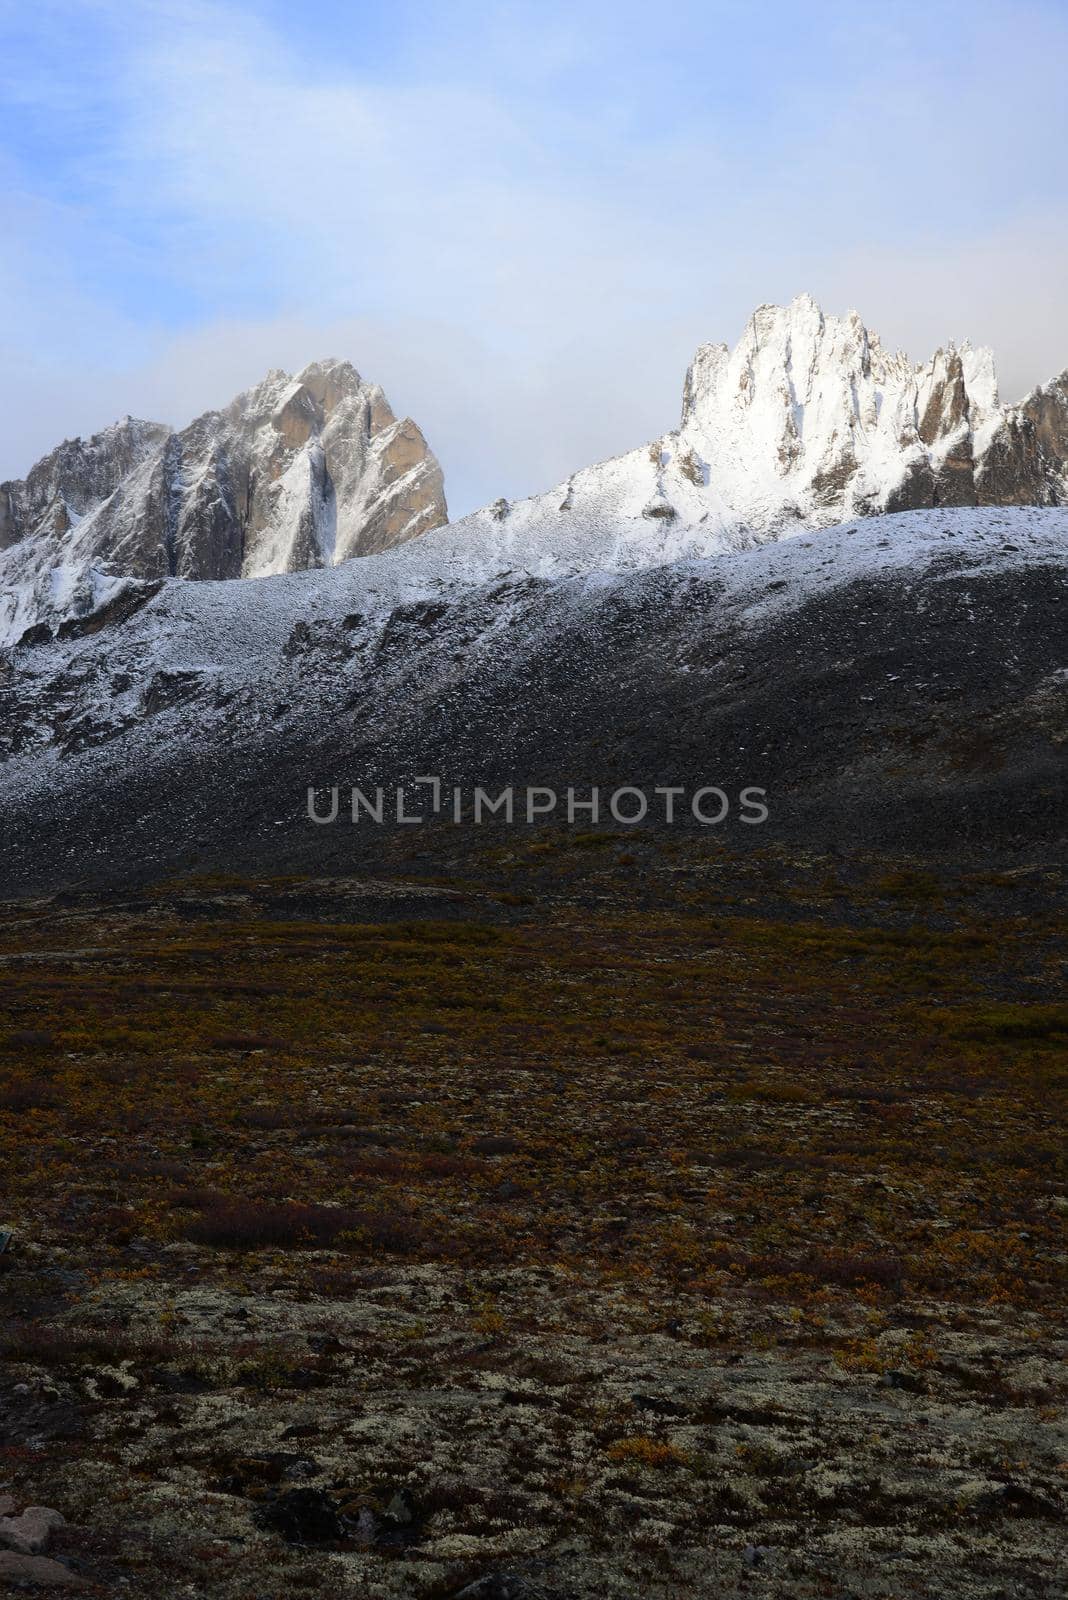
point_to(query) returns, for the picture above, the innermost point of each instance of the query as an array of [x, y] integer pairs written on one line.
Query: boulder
[[39, 1571], [31, 1532]]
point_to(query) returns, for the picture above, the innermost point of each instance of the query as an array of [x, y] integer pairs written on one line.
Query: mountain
[[897, 681], [807, 422], [842, 578], [298, 472]]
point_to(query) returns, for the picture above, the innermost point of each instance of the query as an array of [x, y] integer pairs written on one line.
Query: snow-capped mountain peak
[[298, 471], [807, 422], [810, 413]]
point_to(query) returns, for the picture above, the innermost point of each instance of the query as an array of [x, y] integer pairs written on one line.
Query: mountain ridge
[[300, 470], [807, 422]]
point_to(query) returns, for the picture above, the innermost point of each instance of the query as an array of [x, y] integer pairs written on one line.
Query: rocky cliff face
[[807, 422], [833, 422], [74, 480], [838, 425], [1025, 461], [298, 472]]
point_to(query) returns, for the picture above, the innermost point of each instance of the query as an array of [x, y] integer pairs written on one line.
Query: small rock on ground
[[16, 1568]]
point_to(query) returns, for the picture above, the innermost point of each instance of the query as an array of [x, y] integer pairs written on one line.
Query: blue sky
[[519, 218]]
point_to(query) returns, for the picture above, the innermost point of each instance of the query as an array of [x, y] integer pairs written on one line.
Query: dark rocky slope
[[917, 706]]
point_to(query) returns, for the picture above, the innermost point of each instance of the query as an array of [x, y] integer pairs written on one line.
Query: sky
[[520, 218]]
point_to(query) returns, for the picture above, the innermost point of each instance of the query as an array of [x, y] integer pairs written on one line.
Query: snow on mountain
[[298, 472], [899, 674], [248, 649], [807, 422]]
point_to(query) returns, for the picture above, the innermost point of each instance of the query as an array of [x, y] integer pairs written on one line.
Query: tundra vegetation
[[608, 1215]]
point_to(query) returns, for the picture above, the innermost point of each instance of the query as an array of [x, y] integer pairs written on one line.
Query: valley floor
[[598, 1218]]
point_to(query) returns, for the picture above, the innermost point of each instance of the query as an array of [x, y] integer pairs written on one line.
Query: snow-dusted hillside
[[897, 677], [253, 644], [299, 472]]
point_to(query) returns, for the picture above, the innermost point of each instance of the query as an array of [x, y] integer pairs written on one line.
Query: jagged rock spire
[[297, 472]]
